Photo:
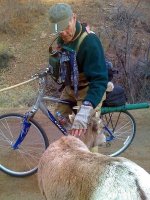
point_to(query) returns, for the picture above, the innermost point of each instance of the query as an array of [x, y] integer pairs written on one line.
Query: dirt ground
[[27, 188]]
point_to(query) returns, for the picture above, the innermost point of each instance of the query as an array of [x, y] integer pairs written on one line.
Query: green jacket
[[91, 62]]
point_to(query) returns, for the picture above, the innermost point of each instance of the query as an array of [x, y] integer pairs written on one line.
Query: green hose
[[125, 107]]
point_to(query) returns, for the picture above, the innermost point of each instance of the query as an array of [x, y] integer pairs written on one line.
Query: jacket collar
[[78, 31]]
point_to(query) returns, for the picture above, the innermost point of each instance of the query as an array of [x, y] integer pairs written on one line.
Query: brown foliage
[[18, 16], [125, 32]]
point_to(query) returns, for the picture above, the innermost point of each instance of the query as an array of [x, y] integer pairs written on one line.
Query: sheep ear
[[71, 117]]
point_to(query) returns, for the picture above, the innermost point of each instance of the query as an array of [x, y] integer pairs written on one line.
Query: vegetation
[[17, 17], [131, 51], [5, 56], [22, 97]]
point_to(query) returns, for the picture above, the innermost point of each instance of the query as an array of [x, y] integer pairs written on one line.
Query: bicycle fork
[[111, 136], [24, 130]]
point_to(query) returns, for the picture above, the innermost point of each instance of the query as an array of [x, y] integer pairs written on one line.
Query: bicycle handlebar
[[41, 74]]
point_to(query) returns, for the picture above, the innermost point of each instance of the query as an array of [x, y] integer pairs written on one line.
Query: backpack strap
[[82, 37]]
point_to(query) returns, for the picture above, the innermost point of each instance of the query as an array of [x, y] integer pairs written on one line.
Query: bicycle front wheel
[[123, 127], [22, 161]]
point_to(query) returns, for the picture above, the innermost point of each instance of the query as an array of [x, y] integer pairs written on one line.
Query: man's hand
[[82, 120]]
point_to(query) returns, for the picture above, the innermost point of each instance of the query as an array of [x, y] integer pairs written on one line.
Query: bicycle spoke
[[35, 149], [122, 133], [4, 138], [26, 152], [120, 138], [26, 160], [7, 128], [23, 160], [5, 146], [121, 125]]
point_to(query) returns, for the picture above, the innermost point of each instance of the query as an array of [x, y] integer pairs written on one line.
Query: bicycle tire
[[23, 161], [123, 127]]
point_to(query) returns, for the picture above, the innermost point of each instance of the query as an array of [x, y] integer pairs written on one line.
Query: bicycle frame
[[39, 105]]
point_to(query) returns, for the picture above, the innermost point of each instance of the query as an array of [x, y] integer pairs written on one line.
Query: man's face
[[68, 34]]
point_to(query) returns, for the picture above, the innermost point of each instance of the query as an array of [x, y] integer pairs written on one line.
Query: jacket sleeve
[[93, 65]]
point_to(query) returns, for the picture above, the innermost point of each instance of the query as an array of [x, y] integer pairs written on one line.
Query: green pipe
[[125, 107]]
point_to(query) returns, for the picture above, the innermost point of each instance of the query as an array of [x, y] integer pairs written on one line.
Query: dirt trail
[[27, 188]]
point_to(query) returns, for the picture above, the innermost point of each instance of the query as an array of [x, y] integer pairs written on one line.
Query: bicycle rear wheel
[[24, 160], [123, 127]]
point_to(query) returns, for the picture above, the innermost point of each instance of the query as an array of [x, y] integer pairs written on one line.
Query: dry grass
[[18, 16], [19, 97]]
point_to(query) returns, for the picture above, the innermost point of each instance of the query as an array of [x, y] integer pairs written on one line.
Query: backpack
[[116, 97]]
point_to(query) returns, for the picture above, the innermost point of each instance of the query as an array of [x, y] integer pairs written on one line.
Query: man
[[92, 73]]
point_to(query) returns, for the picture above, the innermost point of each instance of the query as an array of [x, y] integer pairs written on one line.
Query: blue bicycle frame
[[39, 105]]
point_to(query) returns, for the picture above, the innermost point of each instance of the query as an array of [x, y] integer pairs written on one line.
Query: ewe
[[69, 171]]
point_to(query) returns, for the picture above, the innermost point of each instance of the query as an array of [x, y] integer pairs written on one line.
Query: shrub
[[5, 56], [130, 52]]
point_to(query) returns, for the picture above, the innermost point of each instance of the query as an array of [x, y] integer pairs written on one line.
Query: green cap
[[59, 16]]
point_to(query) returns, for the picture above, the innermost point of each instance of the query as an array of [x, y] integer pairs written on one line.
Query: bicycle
[[23, 140]]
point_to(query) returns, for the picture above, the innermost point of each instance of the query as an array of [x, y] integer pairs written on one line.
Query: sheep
[[94, 136], [69, 171]]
